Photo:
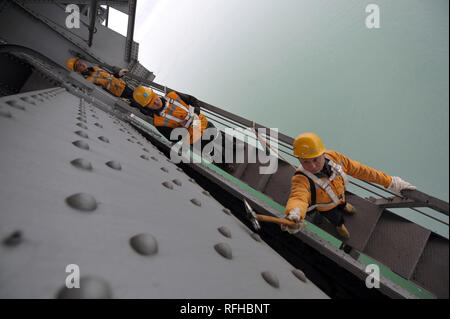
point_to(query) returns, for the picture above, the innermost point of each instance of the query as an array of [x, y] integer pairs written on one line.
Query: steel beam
[[427, 200], [130, 29], [397, 202], [107, 16], [92, 17]]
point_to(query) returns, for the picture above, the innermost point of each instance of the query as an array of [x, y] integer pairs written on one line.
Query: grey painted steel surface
[[48, 20], [36, 82], [362, 225], [389, 243], [131, 236], [434, 258], [279, 186]]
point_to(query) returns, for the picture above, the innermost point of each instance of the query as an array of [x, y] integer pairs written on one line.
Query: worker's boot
[[350, 209], [342, 230]]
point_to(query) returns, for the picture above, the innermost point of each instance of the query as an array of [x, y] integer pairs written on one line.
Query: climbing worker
[[179, 110], [172, 111], [110, 82], [320, 182]]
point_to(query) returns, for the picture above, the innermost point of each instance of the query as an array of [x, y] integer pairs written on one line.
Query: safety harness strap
[[338, 171], [325, 184], [97, 76], [168, 114]]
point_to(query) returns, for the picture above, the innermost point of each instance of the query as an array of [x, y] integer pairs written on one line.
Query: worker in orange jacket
[[174, 110], [110, 82], [180, 110], [320, 182]]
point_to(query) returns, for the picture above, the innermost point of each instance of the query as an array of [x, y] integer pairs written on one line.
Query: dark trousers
[[128, 94], [165, 131], [335, 216], [221, 146]]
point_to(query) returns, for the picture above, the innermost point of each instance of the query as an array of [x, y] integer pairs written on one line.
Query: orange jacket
[[176, 116], [300, 193], [106, 80]]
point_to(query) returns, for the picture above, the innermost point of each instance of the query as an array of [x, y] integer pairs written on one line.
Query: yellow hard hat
[[70, 63], [144, 96], [308, 145]]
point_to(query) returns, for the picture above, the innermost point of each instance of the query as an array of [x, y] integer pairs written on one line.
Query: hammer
[[256, 218]]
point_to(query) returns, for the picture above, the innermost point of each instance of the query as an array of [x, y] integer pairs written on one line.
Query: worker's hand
[[196, 123], [193, 121], [126, 100], [294, 215], [122, 72], [398, 184]]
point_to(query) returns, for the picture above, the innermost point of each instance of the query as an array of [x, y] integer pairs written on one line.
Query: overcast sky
[[118, 21]]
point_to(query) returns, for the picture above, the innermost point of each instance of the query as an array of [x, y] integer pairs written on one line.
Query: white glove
[[294, 215], [398, 184], [193, 121], [122, 72], [196, 122]]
